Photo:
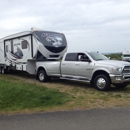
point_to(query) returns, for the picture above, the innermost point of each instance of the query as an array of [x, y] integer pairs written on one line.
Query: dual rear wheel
[[42, 76]]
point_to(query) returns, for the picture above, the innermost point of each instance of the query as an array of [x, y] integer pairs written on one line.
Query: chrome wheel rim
[[101, 83], [41, 76]]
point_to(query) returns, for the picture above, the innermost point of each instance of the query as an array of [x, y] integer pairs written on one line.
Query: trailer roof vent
[[36, 29]]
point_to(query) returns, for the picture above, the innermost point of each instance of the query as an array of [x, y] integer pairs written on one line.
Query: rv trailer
[[126, 56], [20, 51]]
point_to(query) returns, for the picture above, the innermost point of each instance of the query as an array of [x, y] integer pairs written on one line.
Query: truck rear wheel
[[42, 76], [102, 82]]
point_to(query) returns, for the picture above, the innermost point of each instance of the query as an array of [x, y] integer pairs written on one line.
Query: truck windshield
[[98, 56], [53, 41]]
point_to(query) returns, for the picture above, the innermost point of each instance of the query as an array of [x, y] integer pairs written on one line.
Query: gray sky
[[89, 25]]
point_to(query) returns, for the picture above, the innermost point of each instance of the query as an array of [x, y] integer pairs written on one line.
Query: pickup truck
[[91, 67]]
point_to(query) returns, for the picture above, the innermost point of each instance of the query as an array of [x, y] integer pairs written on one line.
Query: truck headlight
[[115, 70]]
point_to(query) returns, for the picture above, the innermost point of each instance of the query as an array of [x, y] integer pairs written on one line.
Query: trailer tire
[[102, 82], [42, 76]]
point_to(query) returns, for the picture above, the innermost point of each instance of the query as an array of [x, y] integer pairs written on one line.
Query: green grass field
[[115, 56], [16, 95], [22, 93]]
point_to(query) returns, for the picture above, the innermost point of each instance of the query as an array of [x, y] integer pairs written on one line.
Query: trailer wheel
[[102, 82], [42, 76]]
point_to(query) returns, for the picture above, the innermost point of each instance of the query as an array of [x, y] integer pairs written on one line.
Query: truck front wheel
[[42, 76], [102, 82]]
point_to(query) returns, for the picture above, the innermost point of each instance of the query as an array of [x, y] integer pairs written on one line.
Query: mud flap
[[31, 69]]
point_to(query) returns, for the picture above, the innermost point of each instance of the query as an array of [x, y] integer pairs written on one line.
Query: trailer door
[[22, 48], [7, 51]]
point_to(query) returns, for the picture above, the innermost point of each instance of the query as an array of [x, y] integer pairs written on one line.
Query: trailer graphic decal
[[13, 61], [51, 35], [55, 41], [16, 49], [53, 38], [18, 53]]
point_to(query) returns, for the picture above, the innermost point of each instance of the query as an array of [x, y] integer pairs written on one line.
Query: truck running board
[[74, 79]]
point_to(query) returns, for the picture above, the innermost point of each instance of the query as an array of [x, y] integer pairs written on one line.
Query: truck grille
[[126, 70]]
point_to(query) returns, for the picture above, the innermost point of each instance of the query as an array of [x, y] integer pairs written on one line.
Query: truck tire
[[102, 82], [42, 76]]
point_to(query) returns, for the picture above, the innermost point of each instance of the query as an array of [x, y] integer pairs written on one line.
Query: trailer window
[[126, 55], [24, 44], [6, 48], [12, 50]]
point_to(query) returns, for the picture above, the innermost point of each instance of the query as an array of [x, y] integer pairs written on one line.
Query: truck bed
[[52, 67]]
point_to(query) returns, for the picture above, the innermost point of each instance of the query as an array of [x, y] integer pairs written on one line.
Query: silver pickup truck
[[91, 67]]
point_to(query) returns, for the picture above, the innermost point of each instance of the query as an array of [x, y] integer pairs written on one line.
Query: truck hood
[[113, 63]]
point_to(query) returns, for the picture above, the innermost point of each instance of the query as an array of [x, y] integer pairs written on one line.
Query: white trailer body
[[126, 56], [20, 51]]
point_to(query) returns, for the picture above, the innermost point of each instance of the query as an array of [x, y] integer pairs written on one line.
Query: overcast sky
[[89, 25]]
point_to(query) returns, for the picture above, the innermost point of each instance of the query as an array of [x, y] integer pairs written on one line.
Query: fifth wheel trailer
[[20, 51]]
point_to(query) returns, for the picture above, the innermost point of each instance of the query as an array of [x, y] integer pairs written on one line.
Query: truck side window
[[24, 44], [71, 57], [82, 57]]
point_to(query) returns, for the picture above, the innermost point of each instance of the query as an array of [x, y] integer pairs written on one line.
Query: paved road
[[95, 119]]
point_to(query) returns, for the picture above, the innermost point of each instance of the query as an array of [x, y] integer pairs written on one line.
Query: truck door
[[22, 48], [67, 65], [83, 67]]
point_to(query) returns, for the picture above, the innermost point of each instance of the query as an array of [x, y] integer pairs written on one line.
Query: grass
[[116, 56], [23, 93], [16, 96]]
